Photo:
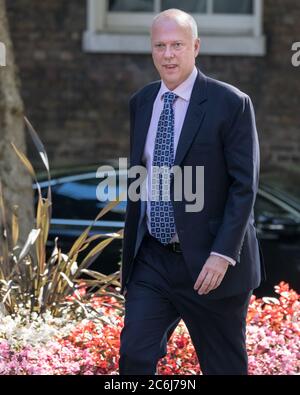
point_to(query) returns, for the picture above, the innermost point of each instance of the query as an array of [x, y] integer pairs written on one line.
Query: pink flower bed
[[92, 347]]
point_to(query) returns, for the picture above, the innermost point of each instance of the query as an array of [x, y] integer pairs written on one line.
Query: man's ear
[[197, 46]]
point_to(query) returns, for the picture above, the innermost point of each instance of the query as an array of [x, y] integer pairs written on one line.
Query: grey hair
[[179, 16]]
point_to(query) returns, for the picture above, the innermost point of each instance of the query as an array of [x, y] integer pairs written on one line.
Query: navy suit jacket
[[219, 133]]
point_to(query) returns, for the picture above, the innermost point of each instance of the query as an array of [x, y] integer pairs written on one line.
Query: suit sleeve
[[241, 150]]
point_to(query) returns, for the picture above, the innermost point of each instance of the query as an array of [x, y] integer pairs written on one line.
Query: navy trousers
[[159, 294]]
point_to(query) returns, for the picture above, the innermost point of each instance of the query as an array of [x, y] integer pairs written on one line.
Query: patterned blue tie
[[162, 222]]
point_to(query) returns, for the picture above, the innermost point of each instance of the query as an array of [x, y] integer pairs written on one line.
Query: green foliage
[[28, 279]]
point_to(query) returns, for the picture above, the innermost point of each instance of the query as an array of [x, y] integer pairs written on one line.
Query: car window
[[78, 200], [265, 210], [285, 185]]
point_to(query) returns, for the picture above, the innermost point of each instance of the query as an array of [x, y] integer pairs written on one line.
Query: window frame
[[222, 34]]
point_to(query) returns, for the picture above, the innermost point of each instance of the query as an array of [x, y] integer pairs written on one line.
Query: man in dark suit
[[178, 263]]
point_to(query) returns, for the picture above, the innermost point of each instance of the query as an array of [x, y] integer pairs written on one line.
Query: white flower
[[25, 329]]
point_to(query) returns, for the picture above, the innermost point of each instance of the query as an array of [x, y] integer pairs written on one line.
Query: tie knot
[[170, 97]]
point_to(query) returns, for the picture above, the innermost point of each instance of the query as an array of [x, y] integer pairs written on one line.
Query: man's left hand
[[211, 274]]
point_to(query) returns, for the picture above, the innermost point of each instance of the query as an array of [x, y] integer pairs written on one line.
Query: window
[[194, 6], [227, 27]]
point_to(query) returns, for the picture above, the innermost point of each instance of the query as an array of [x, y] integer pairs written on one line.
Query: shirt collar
[[184, 90]]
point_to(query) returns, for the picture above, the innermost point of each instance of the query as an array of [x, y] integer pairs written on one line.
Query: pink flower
[[273, 329]]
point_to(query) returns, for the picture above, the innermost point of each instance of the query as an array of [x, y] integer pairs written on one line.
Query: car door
[[278, 231]]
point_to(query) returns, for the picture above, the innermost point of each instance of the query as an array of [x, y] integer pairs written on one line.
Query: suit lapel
[[142, 123], [192, 122], [193, 118]]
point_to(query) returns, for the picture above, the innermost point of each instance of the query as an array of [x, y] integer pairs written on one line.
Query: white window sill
[[140, 44]]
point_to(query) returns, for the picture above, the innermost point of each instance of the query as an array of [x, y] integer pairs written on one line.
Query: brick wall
[[78, 101]]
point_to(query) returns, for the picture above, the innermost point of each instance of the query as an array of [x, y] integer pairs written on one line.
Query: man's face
[[174, 51]]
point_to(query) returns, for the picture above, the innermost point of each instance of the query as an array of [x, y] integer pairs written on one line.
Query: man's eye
[[159, 46], [178, 45]]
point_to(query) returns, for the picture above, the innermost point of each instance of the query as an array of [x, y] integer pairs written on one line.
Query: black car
[[277, 215]]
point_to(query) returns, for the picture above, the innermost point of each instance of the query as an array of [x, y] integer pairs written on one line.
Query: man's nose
[[169, 53]]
